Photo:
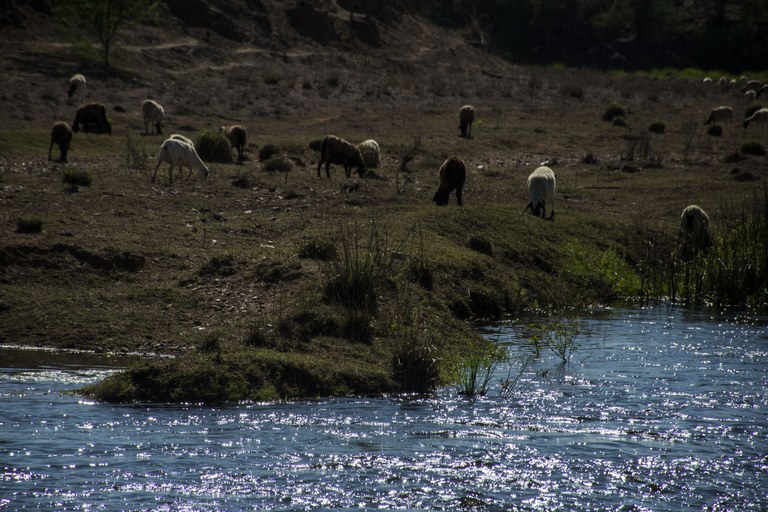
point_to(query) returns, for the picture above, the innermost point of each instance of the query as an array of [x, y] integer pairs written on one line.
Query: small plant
[[715, 130], [323, 250], [753, 148], [267, 151], [213, 146], [357, 326], [278, 164], [657, 127], [613, 111], [557, 335], [476, 368], [414, 365], [219, 266], [258, 336], [28, 225], [244, 179], [77, 178], [619, 121], [210, 344]]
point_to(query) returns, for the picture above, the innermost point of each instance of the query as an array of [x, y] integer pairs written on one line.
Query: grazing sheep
[[466, 117], [61, 135], [752, 85], [334, 150], [720, 115], [93, 118], [182, 138], [694, 231], [760, 117], [541, 187], [452, 175], [237, 135], [750, 95], [77, 85], [179, 153], [371, 153], [153, 114], [763, 89]]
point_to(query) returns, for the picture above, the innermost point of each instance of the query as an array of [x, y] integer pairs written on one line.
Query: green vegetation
[[727, 34], [557, 334], [213, 146], [614, 111], [77, 177], [104, 19]]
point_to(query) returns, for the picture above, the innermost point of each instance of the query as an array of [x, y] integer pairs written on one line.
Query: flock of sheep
[[179, 151]]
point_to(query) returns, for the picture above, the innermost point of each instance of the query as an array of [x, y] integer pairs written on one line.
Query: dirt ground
[[121, 265]]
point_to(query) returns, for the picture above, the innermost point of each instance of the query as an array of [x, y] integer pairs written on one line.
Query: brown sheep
[[694, 231], [334, 150], [466, 117], [237, 135], [93, 118], [452, 175], [61, 135]]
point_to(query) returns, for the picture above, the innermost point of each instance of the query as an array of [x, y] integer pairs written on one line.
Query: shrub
[[414, 366], [619, 121], [267, 151], [715, 130], [613, 111], [753, 148], [213, 146], [244, 180], [278, 164], [77, 178], [357, 326], [657, 127], [315, 144], [322, 250], [219, 266], [29, 226]]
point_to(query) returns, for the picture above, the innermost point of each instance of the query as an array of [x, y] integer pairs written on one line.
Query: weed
[[223, 266], [357, 326], [414, 364], [477, 366], [77, 178], [29, 225], [322, 250], [267, 151], [278, 164], [209, 344], [557, 335], [613, 111], [351, 278]]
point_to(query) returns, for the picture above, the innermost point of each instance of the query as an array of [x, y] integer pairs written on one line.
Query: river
[[657, 409]]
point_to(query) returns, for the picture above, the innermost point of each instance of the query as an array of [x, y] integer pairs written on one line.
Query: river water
[[658, 409]]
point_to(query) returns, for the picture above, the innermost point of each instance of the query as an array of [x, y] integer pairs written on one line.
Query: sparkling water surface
[[658, 409]]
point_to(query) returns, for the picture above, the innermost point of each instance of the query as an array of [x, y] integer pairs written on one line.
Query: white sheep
[[759, 116], [153, 114], [179, 153], [334, 150], [694, 231], [466, 117], [183, 138], [371, 153], [237, 136], [541, 187], [77, 86], [720, 114]]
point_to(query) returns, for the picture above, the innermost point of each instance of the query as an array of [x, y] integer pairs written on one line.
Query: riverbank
[[237, 275]]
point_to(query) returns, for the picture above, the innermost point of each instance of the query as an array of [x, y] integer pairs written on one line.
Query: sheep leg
[[319, 165], [50, 148], [154, 174], [469, 130], [458, 196], [328, 168]]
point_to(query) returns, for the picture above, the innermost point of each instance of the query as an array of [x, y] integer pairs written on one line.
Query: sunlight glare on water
[[658, 409]]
